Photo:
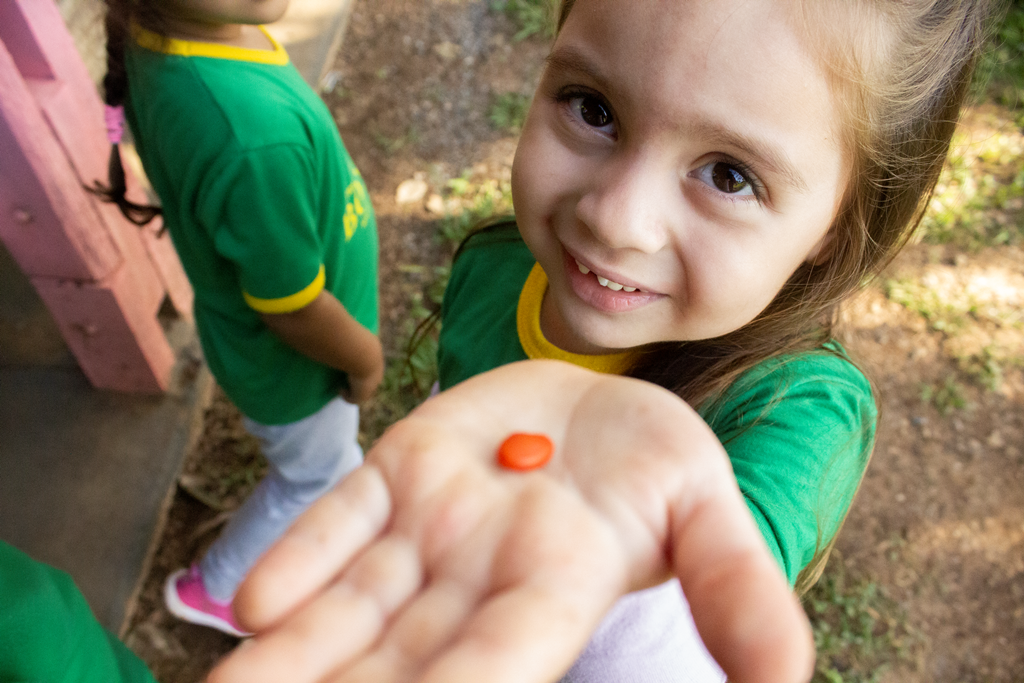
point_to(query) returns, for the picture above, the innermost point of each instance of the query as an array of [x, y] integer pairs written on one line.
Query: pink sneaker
[[187, 599]]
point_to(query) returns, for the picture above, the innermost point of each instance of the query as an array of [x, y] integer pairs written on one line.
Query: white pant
[[307, 458], [647, 637]]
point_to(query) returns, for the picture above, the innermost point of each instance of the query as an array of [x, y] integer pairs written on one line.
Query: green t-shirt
[[264, 205], [48, 634], [798, 429]]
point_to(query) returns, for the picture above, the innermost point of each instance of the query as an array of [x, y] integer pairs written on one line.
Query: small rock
[[995, 440], [447, 50], [411, 191], [435, 205]]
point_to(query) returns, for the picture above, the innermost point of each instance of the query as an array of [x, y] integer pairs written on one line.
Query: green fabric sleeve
[[262, 207], [799, 432], [48, 634]]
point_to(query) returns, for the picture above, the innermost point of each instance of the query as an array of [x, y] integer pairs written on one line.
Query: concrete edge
[[204, 386]]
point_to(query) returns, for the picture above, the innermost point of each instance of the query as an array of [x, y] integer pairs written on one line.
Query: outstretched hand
[[433, 564]]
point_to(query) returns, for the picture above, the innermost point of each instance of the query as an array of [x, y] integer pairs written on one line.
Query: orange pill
[[525, 451]]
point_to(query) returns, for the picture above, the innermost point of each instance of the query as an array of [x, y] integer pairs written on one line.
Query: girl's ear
[[822, 251]]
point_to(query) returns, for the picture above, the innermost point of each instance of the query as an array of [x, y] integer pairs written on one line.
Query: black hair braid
[[115, 89]]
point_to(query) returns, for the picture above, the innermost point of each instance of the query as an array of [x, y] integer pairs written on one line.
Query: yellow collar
[[193, 48], [534, 342]]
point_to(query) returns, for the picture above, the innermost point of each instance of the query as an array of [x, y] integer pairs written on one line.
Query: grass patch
[[411, 369], [412, 366], [393, 144], [859, 632], [946, 397], [943, 313], [985, 367], [508, 111], [470, 202], [979, 199], [1001, 71], [532, 17]]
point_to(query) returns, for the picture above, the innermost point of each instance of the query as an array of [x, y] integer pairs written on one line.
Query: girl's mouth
[[603, 293], [605, 282]]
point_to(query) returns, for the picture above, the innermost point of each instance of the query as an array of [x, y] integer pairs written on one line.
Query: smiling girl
[[664, 197], [697, 187]]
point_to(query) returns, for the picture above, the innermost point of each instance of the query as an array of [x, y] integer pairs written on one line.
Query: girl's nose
[[625, 205]]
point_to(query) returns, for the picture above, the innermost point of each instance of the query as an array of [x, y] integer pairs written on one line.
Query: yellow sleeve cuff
[[290, 303]]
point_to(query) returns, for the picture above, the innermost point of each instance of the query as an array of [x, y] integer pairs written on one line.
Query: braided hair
[[119, 18]]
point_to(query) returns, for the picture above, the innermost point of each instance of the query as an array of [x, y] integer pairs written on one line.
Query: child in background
[[274, 227], [697, 187]]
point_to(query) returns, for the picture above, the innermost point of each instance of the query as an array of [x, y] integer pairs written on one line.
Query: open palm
[[431, 563]]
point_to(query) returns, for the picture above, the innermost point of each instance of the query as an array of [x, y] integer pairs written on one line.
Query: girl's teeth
[[605, 282]]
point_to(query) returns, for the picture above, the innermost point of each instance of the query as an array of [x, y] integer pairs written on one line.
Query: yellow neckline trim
[[194, 48], [293, 302], [537, 346]]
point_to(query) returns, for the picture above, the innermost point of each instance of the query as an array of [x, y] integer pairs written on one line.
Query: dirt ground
[[939, 522]]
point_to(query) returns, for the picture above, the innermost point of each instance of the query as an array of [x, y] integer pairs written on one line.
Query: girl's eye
[[729, 178], [589, 109]]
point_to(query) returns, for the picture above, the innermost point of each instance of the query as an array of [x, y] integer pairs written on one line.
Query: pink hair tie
[[114, 118]]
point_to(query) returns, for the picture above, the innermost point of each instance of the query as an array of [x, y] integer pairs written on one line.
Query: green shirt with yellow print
[[264, 205]]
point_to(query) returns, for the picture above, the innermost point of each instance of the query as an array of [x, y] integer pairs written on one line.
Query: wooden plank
[[168, 267], [16, 34], [101, 277], [112, 331], [48, 223]]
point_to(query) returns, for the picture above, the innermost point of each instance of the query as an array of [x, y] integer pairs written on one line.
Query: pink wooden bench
[[102, 278]]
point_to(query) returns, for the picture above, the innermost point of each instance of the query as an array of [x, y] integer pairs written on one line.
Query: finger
[[425, 626], [336, 628], [315, 549], [548, 595], [527, 634], [743, 607]]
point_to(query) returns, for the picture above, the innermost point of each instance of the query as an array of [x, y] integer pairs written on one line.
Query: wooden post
[[101, 277]]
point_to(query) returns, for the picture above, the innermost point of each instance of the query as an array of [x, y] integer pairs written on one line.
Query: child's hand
[[431, 563], [327, 333], [364, 385]]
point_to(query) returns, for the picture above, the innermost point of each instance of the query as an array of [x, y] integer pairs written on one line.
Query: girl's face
[[680, 161]]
